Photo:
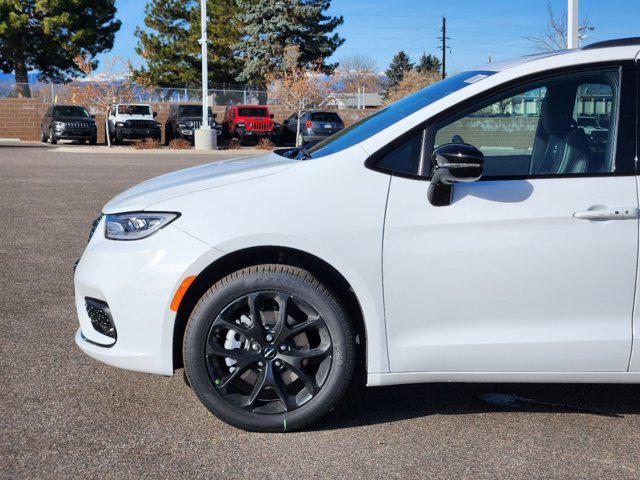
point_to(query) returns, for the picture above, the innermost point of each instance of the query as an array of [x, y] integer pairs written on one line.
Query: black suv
[[183, 120], [68, 122], [315, 125]]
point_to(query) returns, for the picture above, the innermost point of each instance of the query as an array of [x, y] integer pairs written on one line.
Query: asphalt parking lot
[[64, 415]]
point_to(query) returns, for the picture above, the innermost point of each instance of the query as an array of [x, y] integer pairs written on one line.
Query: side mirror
[[155, 114], [451, 163], [271, 115], [93, 116], [214, 115]]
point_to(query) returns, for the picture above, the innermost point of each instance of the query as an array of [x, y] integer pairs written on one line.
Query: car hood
[[182, 182]]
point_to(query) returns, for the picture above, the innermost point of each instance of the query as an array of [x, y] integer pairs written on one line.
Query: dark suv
[[315, 125], [183, 120], [68, 122]]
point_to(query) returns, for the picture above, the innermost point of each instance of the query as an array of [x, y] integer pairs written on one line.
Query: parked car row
[[247, 123]]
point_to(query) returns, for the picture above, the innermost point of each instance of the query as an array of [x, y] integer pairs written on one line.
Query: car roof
[[512, 62]]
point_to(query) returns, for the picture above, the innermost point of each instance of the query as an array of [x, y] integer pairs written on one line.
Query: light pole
[[572, 24], [205, 138]]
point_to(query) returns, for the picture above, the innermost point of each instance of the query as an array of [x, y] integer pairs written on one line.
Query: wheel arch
[[251, 256]]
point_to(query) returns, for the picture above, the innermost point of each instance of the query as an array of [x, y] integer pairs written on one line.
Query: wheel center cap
[[269, 352]]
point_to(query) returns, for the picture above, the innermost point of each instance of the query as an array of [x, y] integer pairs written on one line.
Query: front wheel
[[52, 137], [269, 348]]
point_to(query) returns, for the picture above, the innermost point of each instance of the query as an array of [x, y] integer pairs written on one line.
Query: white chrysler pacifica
[[483, 229]]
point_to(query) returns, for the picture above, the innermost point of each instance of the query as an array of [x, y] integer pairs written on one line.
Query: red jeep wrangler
[[249, 123]]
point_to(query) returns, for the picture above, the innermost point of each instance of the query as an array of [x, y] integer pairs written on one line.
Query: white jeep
[[131, 121]]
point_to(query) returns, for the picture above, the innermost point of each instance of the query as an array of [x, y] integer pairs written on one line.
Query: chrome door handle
[[605, 214]]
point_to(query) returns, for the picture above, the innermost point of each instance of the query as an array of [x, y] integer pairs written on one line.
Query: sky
[[478, 29]]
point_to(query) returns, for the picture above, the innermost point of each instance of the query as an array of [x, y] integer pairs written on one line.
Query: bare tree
[[358, 71], [554, 36], [412, 81], [113, 85], [295, 87]]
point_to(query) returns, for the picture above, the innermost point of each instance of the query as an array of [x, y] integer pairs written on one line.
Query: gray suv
[[68, 122], [315, 125]]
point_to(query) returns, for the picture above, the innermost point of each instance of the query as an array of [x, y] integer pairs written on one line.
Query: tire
[[93, 141], [52, 137], [43, 136], [280, 384], [117, 138], [167, 136]]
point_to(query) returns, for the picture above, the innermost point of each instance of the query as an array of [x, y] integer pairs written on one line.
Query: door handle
[[605, 214]]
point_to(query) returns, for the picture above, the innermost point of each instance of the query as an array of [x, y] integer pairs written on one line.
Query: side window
[[564, 125], [405, 157]]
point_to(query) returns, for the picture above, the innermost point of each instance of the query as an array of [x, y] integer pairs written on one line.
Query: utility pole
[[204, 137], [444, 47], [572, 24]]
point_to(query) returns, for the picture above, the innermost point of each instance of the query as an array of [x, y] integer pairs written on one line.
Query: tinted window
[[70, 111], [562, 125], [325, 117], [192, 111], [134, 110], [404, 158], [253, 112], [395, 112]]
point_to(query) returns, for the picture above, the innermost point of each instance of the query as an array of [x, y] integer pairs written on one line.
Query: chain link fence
[[60, 93]]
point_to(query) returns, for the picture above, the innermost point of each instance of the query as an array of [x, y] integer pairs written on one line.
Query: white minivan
[[475, 231]]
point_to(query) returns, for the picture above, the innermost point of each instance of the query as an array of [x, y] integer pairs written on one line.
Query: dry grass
[[233, 144], [146, 144], [179, 144], [265, 144]]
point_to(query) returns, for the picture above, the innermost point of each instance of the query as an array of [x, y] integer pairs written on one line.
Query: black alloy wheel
[[269, 349]]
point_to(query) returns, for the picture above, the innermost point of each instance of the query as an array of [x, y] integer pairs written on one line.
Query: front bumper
[[76, 134], [137, 133], [138, 280], [255, 134]]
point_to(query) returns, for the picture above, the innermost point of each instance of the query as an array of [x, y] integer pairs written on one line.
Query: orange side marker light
[[182, 289]]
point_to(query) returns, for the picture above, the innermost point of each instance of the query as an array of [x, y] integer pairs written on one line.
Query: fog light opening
[[100, 316]]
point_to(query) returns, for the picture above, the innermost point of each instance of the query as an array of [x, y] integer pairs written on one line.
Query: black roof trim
[[618, 42]]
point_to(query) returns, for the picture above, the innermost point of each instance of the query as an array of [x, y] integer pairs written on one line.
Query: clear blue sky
[[477, 28]]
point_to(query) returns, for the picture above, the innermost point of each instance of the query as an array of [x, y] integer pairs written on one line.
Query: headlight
[[189, 124], [59, 125], [120, 124], [134, 226]]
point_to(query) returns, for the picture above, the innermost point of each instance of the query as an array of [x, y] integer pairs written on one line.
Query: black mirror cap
[[155, 114], [451, 163], [271, 115], [93, 116], [456, 162]]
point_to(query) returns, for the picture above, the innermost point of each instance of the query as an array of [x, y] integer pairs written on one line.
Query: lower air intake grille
[[100, 317]]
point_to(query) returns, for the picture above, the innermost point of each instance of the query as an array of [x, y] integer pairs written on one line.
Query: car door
[[532, 268], [291, 128]]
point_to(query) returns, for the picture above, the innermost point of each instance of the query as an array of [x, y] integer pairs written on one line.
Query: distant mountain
[[8, 77]]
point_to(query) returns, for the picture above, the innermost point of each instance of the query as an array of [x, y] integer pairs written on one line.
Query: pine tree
[[269, 26], [47, 35], [400, 64], [170, 43], [429, 64]]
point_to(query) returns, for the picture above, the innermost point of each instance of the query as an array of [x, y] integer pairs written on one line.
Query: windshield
[[192, 111], [70, 112], [253, 112], [134, 110], [387, 116]]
